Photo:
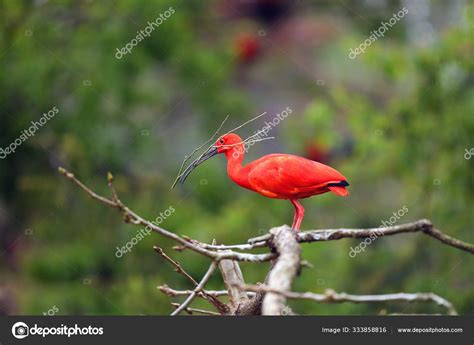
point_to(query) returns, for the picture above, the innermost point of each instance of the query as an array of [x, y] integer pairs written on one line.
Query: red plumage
[[285, 176], [279, 176]]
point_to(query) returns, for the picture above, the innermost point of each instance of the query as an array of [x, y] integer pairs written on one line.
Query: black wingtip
[[339, 184]]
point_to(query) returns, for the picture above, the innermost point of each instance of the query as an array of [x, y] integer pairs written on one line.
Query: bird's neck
[[235, 170]]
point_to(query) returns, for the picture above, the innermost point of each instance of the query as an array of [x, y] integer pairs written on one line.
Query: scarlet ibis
[[279, 176]]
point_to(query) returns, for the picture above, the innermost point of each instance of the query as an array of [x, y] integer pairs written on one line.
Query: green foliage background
[[407, 112]]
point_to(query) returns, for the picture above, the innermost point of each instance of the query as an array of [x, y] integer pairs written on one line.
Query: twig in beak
[[212, 151], [246, 122], [188, 156], [183, 174], [247, 140]]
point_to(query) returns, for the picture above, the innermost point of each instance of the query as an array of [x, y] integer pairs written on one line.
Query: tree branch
[[132, 217], [284, 271], [198, 289], [174, 293], [221, 307], [330, 296], [232, 275], [423, 225], [285, 247], [194, 310], [177, 266]]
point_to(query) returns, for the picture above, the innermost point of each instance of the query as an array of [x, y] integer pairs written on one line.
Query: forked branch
[[197, 290]]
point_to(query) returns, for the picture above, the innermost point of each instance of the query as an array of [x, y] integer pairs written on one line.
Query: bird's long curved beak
[[209, 153]]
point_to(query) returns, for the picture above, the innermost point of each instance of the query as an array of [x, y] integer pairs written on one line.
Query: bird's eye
[[221, 141]]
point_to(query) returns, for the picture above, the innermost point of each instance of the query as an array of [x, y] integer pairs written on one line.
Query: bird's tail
[[338, 188], [341, 191]]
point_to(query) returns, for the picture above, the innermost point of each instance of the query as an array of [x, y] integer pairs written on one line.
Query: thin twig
[[185, 173], [330, 296], [92, 194], [194, 310], [177, 266], [176, 293], [188, 156], [198, 289], [423, 225], [245, 141], [221, 307], [233, 246], [194, 163], [454, 242], [246, 122], [131, 217]]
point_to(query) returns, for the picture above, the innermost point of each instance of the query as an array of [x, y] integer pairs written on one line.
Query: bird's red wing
[[287, 175]]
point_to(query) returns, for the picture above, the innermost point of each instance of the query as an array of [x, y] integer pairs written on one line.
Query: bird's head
[[230, 144]]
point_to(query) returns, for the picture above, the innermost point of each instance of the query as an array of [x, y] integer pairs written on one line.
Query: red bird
[[279, 176]]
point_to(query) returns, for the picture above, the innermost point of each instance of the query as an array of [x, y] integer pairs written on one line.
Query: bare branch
[[423, 225], [232, 275], [132, 217], [198, 289], [221, 307], [247, 246], [330, 296], [259, 239], [454, 242], [176, 293], [194, 310], [92, 194], [284, 271], [177, 266]]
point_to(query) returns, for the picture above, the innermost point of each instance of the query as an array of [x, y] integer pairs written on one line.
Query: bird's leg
[[295, 217], [299, 214]]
